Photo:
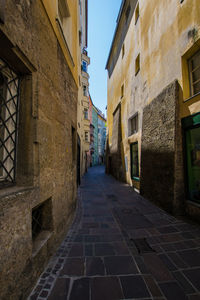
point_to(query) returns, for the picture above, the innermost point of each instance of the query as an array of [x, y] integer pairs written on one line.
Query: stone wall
[[115, 154], [45, 164], [159, 148]]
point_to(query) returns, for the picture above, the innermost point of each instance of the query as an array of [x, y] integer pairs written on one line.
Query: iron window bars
[[37, 218], [9, 107]]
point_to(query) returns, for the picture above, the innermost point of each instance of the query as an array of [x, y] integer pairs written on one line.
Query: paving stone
[[118, 265], [76, 250], [60, 289], [80, 289], [134, 287], [153, 286], [106, 288], [104, 249], [169, 264], [177, 260], [167, 229], [73, 267], [120, 248], [43, 294], [94, 266], [191, 257], [88, 249], [183, 282], [172, 291], [194, 297], [160, 272], [194, 276], [141, 266]]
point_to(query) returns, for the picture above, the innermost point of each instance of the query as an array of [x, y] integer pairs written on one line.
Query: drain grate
[[142, 246]]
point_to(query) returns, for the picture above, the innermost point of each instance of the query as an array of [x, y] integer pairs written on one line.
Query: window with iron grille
[[42, 218], [194, 71], [9, 104]]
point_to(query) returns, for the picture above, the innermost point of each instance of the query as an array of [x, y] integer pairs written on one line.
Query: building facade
[[154, 102], [101, 137], [83, 122], [39, 81], [95, 155]]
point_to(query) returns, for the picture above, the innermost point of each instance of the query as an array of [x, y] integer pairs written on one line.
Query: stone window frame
[[86, 136], [191, 70], [26, 146], [136, 118], [85, 112]]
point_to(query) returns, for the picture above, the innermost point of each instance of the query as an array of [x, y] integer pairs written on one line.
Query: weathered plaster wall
[[46, 166]]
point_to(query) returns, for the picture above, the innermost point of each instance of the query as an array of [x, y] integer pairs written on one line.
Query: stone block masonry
[[161, 171], [45, 170]]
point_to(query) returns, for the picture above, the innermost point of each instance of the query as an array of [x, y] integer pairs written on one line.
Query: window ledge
[[192, 97], [13, 190], [40, 241]]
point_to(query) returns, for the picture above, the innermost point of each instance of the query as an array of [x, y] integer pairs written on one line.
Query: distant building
[[101, 137], [95, 156]]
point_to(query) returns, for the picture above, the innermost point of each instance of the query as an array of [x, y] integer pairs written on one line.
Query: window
[[9, 101], [86, 136], [137, 13], [128, 10], [194, 73], [85, 90], [86, 113], [133, 124], [63, 11], [84, 66], [134, 161], [123, 50], [122, 91], [137, 64]]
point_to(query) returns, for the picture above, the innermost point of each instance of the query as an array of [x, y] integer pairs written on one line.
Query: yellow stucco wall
[[71, 49], [162, 37]]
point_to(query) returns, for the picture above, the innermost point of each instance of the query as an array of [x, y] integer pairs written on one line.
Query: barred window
[[194, 70], [9, 101]]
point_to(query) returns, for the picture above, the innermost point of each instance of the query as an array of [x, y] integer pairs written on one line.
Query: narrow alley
[[121, 246]]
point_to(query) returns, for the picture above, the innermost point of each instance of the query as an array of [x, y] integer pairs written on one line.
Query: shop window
[[9, 108], [133, 125], [194, 73], [137, 64], [134, 161], [137, 13]]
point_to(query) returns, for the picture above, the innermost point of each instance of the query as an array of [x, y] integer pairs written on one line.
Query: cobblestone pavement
[[121, 246]]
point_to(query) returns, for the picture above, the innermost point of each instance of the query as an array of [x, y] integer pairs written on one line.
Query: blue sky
[[101, 26]]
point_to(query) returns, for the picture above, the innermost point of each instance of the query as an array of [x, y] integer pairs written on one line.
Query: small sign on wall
[[2, 11]]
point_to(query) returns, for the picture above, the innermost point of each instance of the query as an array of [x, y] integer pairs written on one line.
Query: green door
[[193, 163]]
